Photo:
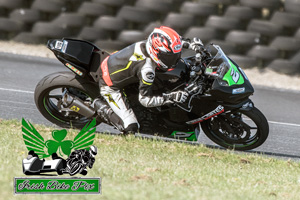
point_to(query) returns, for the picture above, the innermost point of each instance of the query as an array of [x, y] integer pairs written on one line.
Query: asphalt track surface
[[20, 74]]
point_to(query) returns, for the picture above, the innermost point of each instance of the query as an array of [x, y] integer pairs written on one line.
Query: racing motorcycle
[[218, 101]]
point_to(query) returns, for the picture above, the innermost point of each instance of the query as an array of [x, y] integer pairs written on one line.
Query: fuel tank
[[172, 78]]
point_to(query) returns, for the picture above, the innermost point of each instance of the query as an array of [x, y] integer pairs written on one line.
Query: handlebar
[[192, 88]]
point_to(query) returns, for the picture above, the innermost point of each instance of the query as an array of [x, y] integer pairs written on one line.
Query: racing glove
[[196, 44], [176, 97]]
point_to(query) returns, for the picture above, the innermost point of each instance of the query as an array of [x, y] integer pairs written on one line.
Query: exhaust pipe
[[77, 105]]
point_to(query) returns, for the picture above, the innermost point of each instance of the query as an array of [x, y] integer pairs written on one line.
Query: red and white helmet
[[164, 47]]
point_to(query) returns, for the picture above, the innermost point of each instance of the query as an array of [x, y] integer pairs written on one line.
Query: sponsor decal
[[215, 112], [105, 74], [181, 134], [190, 136], [71, 67], [147, 76], [235, 75], [138, 57], [111, 100], [63, 49], [238, 90], [150, 76], [75, 108], [58, 45]]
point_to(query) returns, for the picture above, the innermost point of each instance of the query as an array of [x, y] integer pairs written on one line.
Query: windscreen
[[223, 69]]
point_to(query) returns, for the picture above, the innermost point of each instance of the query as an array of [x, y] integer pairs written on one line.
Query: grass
[[135, 168]]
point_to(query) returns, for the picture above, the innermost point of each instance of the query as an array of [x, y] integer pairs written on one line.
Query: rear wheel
[[49, 94], [241, 130]]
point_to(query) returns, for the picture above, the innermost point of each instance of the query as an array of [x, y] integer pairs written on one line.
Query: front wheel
[[240, 130], [76, 169]]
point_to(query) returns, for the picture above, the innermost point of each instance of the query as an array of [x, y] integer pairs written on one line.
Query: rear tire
[[224, 137], [47, 103]]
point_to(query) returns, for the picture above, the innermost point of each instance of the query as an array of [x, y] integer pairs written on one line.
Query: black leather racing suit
[[129, 65]]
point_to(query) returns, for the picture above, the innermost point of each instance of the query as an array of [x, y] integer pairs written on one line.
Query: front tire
[[240, 130], [76, 169], [48, 94]]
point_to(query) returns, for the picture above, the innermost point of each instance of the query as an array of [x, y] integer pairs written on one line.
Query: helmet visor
[[169, 59]]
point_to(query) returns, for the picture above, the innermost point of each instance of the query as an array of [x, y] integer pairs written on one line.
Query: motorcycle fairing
[[233, 75]]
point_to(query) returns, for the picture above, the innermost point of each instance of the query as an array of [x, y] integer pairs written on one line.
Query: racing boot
[[106, 113]]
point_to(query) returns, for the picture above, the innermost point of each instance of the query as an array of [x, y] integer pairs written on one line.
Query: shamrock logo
[[53, 145]]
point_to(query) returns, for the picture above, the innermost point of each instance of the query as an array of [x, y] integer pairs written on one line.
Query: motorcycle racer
[[85, 157], [137, 63]]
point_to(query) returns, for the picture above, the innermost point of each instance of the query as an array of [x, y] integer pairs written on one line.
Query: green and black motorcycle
[[218, 103]]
